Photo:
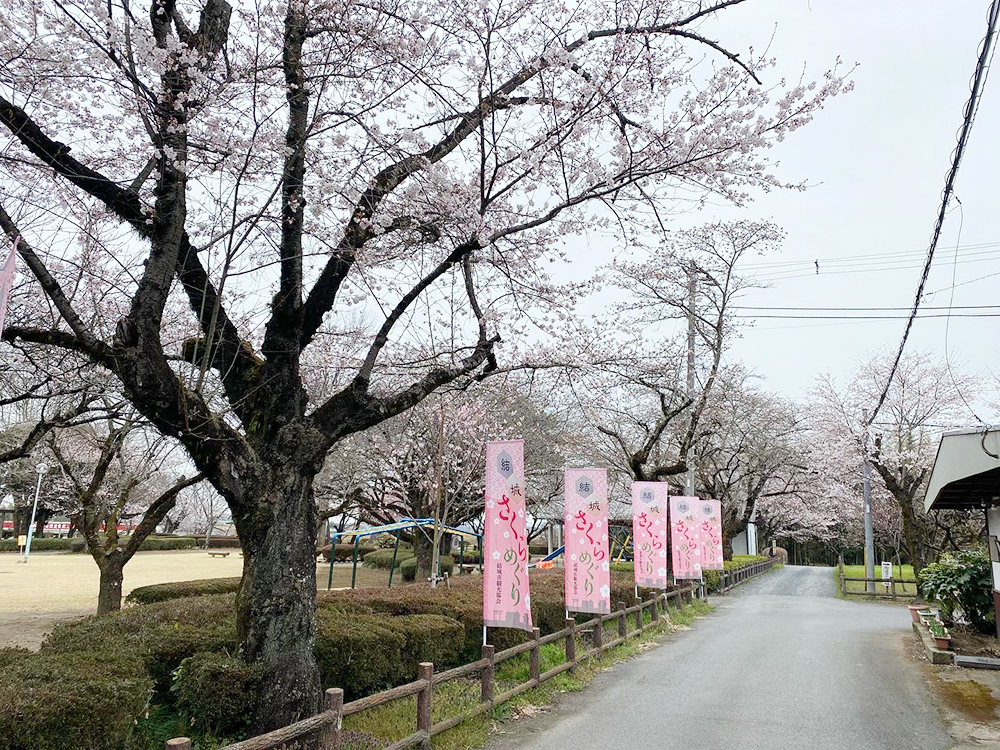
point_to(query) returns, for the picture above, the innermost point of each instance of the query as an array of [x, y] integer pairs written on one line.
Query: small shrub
[[382, 558], [80, 700], [408, 567], [161, 592], [217, 691], [962, 584]]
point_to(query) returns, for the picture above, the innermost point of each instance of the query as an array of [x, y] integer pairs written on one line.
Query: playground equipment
[[395, 528]]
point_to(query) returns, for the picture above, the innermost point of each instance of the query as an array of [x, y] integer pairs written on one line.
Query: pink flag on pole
[[685, 537], [588, 569], [506, 601], [711, 535], [7, 281], [649, 533]]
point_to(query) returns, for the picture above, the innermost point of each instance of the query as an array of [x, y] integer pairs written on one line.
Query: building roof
[[966, 471]]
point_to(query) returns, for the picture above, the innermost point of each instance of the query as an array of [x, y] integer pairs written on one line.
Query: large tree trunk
[[912, 536], [112, 574], [276, 603], [423, 548]]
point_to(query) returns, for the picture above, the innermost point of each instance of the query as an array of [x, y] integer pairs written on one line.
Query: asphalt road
[[781, 664]]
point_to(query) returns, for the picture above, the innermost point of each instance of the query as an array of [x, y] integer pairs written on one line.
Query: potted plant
[[927, 616], [942, 638], [915, 610]]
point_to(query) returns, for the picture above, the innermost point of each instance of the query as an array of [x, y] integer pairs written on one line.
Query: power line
[[869, 309], [971, 107], [866, 317]]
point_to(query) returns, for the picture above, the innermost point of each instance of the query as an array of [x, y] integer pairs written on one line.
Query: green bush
[[40, 544], [161, 592], [344, 552], [157, 637], [382, 558], [962, 584], [51, 701], [216, 691], [357, 652], [408, 567], [433, 638]]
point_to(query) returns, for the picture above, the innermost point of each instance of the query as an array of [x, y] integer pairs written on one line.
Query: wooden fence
[[324, 728], [883, 593]]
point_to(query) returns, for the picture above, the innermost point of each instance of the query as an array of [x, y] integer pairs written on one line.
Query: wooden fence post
[[425, 671], [622, 625], [329, 736], [843, 583], [892, 585], [536, 656], [571, 641], [179, 743], [486, 676], [597, 635], [655, 612]]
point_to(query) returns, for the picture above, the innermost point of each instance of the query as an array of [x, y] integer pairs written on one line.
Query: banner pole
[[484, 634]]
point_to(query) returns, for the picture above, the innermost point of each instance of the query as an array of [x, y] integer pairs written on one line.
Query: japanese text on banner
[[685, 537], [711, 536], [506, 598], [649, 533], [588, 569]]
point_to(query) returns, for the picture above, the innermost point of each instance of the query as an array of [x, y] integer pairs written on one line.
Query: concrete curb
[[934, 654]]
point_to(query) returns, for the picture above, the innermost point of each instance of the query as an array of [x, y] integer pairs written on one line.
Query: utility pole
[[869, 532], [692, 291]]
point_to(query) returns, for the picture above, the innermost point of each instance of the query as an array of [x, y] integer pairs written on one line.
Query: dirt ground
[[58, 587]]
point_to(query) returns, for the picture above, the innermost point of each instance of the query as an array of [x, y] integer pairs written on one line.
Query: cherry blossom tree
[[925, 397], [208, 197], [652, 422], [115, 472]]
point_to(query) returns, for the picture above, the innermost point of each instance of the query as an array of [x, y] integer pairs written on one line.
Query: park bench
[[218, 554]]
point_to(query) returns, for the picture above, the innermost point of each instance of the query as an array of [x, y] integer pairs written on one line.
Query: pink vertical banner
[[588, 569], [685, 537], [7, 281], [506, 600], [711, 535], [649, 533]]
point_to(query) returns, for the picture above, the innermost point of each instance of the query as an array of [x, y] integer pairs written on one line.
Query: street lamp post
[[41, 469]]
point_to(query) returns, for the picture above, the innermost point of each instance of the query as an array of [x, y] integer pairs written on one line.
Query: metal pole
[[692, 289], [354, 569], [41, 469], [392, 565], [869, 532]]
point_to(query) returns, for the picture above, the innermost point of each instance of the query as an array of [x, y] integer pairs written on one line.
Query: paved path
[[781, 664]]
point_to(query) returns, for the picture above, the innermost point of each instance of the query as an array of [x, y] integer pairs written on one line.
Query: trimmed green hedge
[[713, 578], [52, 701], [157, 637], [41, 544], [78, 544], [382, 558], [216, 691], [344, 552], [161, 592]]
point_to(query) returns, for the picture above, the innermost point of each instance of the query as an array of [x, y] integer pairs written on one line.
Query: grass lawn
[[858, 571], [398, 719]]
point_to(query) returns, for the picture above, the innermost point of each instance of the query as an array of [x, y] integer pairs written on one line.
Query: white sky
[[877, 160]]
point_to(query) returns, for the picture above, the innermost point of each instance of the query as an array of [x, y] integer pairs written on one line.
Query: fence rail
[[325, 727], [890, 593]]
